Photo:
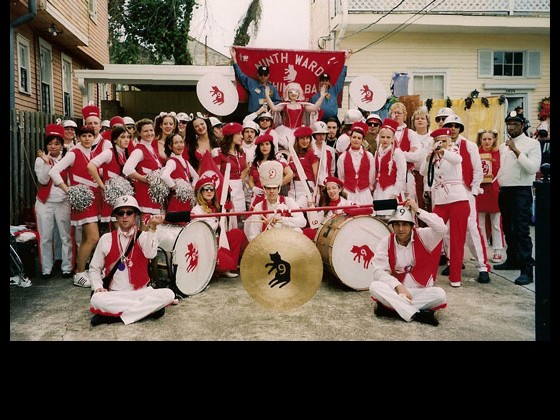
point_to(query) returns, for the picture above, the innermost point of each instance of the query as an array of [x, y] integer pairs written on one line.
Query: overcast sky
[[283, 24]]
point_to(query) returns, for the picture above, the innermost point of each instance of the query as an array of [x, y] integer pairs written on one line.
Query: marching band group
[[277, 160]]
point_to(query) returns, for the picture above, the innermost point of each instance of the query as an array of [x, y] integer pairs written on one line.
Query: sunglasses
[[207, 189], [123, 212], [183, 122], [452, 125], [265, 119], [438, 119], [372, 124]]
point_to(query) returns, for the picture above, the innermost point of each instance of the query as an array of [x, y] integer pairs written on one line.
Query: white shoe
[[230, 274], [21, 281], [82, 279], [455, 284]]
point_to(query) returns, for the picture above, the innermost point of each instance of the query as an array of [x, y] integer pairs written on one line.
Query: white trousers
[[496, 226], [422, 298], [133, 305], [298, 191], [49, 215]]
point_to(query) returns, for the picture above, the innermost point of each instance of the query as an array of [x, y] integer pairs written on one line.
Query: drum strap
[[107, 279]]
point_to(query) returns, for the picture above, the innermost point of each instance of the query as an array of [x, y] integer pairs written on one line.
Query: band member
[[271, 174], [126, 295], [405, 267]]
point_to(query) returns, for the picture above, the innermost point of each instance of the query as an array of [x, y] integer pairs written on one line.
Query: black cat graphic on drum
[[283, 270]]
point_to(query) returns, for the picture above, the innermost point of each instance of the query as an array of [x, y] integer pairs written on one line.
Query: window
[[23, 65], [67, 85], [46, 79], [509, 63], [429, 86], [92, 8]]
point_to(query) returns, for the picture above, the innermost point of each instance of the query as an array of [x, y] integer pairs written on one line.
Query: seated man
[[405, 267], [123, 294], [271, 173]]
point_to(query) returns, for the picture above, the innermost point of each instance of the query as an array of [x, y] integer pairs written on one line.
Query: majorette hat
[[54, 130], [360, 127], [232, 128], [303, 131], [390, 124], [335, 180], [441, 132], [271, 173], [91, 111], [205, 180], [264, 137], [116, 120]]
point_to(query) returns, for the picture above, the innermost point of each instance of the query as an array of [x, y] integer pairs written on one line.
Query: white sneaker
[[455, 284], [82, 279], [21, 281], [230, 274]]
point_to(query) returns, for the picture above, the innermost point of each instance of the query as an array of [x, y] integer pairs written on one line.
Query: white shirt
[[519, 171], [295, 221]]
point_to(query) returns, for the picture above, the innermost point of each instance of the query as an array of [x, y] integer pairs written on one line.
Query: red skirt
[[488, 202]]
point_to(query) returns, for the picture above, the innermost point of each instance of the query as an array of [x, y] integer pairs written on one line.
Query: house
[[443, 49]]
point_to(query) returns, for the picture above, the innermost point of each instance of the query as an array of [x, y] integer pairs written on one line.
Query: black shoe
[[382, 311], [67, 275], [483, 277], [445, 271], [46, 276], [426, 316], [442, 259], [523, 279], [103, 319], [505, 266], [157, 314]]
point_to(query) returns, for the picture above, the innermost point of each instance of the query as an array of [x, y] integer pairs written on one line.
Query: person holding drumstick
[[123, 294], [405, 267]]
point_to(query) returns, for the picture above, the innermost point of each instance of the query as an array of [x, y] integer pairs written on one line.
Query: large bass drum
[[346, 246]]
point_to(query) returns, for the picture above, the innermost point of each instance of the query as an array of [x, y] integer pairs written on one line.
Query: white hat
[[444, 112], [271, 173], [352, 116], [214, 121], [265, 114], [402, 214], [126, 201], [373, 116], [454, 119], [128, 121], [182, 116], [320, 127], [253, 125], [106, 124], [69, 123]]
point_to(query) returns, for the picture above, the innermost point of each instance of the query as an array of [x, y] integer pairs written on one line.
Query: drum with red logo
[[346, 245], [194, 251]]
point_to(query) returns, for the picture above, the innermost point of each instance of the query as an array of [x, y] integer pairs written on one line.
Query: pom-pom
[[184, 192], [157, 189], [117, 187], [80, 197]]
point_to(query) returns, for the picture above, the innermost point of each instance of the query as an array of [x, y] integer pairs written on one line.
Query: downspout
[[20, 20], [344, 6]]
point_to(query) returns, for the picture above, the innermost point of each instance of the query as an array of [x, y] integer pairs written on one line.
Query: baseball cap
[[263, 70]]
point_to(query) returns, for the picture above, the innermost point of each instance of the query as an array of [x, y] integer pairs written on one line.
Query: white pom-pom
[[80, 197], [185, 192], [117, 187], [157, 189]]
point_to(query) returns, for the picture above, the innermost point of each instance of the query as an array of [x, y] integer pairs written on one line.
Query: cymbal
[[281, 269]]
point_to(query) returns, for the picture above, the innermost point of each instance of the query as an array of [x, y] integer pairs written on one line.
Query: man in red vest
[[405, 267]]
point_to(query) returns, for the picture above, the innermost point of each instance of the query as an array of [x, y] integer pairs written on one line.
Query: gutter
[[20, 20]]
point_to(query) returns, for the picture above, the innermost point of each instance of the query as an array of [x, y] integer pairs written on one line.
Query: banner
[[286, 66]]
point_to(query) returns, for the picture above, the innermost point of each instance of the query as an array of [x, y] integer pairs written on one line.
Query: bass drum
[[346, 246], [194, 257]]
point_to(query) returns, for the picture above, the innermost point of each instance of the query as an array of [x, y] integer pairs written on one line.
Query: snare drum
[[346, 246]]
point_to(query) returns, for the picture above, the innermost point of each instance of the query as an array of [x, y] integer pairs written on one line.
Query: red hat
[[335, 180], [91, 110], [116, 120], [232, 128], [390, 124], [106, 135], [203, 181], [303, 131], [264, 137], [441, 132], [54, 130], [360, 127]]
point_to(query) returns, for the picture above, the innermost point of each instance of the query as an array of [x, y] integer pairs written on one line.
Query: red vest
[[43, 191], [466, 164], [138, 273], [115, 165], [404, 145], [425, 263], [79, 168], [356, 181], [382, 170]]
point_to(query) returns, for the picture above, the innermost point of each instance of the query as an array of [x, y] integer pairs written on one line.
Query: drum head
[[194, 255], [353, 250], [167, 236], [368, 93], [281, 269]]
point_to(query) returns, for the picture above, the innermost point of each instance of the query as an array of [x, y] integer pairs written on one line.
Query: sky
[[283, 24]]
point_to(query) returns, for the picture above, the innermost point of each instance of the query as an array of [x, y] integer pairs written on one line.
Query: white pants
[[496, 225], [237, 199], [360, 197], [49, 215], [132, 305], [298, 191], [422, 298]]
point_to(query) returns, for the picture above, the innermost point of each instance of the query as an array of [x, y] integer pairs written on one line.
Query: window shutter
[[533, 64], [485, 67]]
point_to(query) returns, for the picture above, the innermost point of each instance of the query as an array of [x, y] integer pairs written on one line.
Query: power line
[[373, 23]]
